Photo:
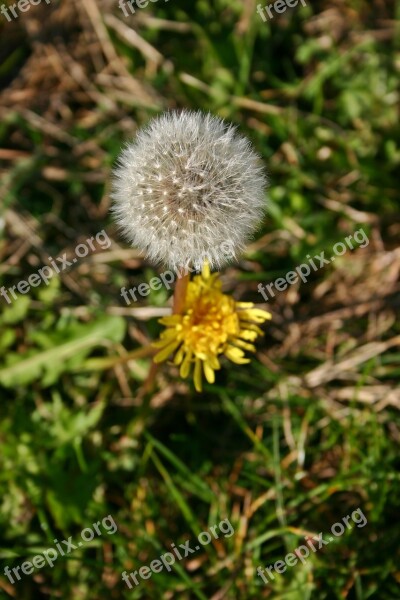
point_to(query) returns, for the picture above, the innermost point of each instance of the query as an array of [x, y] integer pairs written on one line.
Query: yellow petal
[[244, 345], [255, 314], [236, 355], [197, 375], [163, 354], [185, 366], [250, 336], [213, 362], [170, 320], [252, 327], [179, 355], [244, 305], [205, 272], [208, 372], [165, 339]]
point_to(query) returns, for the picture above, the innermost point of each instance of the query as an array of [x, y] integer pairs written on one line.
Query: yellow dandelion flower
[[211, 324]]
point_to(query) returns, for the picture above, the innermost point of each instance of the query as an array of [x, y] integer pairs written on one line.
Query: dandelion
[[211, 324], [187, 184], [184, 188]]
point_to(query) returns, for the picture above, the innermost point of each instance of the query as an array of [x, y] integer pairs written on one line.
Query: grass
[[284, 447]]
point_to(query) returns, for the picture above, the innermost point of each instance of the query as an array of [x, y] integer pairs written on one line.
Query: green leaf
[[16, 312], [50, 363]]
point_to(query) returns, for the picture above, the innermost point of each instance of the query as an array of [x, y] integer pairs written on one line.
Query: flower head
[[211, 324], [187, 184]]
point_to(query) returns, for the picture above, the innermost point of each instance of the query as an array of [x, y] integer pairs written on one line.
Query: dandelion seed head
[[198, 183]]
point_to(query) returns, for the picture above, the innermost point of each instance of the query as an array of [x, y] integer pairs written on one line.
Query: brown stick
[[148, 384]]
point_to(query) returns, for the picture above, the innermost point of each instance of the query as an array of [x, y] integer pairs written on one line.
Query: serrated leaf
[[49, 364]]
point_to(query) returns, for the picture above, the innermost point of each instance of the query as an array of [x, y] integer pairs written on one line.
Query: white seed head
[[185, 186]]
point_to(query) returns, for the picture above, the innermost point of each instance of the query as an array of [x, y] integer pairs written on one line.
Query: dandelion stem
[[178, 305], [180, 293]]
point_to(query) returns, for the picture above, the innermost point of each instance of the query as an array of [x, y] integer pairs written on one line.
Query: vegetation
[[284, 447]]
